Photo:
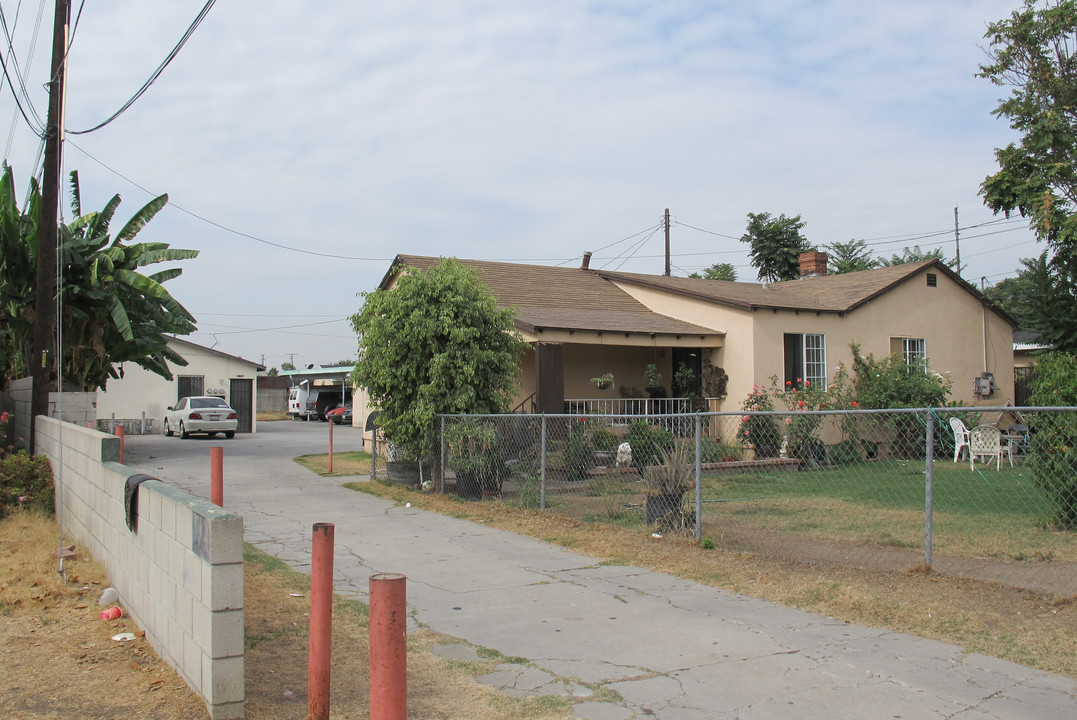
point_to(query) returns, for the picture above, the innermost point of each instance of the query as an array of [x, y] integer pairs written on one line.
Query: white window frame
[[914, 350], [811, 365], [815, 359]]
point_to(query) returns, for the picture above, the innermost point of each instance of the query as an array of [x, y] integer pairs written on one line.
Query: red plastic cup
[[111, 614]]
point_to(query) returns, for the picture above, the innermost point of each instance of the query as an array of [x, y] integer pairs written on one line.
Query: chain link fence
[[989, 493]]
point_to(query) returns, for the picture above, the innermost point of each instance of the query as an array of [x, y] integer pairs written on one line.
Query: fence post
[[216, 475], [441, 474], [542, 467], [929, 487], [699, 478], [374, 454], [388, 647], [320, 648]]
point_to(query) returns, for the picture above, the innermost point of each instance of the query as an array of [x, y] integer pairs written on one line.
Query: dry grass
[[273, 416], [345, 464], [62, 662], [1014, 625]]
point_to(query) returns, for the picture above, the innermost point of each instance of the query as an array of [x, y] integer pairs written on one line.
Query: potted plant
[[471, 444], [653, 378], [666, 483], [603, 382]]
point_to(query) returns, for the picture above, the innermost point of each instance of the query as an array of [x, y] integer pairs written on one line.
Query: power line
[[224, 227], [156, 73]]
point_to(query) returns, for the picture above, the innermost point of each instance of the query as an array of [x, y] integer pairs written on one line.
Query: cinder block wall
[[79, 408], [179, 574]]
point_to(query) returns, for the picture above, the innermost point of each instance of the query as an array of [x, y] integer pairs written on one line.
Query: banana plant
[[18, 263], [111, 312]]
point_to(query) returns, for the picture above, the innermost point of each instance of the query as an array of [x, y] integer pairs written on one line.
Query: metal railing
[[875, 488], [634, 407]]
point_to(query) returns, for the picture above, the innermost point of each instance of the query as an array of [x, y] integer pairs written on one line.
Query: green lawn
[[981, 512]]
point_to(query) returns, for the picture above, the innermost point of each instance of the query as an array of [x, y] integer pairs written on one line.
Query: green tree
[[1017, 295], [915, 254], [110, 312], [718, 271], [436, 342], [847, 257], [1053, 435], [1032, 52], [287, 366], [776, 245]]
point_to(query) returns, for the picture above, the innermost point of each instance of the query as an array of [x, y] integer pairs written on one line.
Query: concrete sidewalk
[[670, 649]]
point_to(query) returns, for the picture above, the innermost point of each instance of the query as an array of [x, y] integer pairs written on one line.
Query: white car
[[209, 415]]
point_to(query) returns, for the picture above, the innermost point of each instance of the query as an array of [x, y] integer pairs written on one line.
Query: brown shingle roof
[[564, 298], [827, 293]]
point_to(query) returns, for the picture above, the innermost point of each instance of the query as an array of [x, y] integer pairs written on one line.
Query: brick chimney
[[586, 261], [812, 264]]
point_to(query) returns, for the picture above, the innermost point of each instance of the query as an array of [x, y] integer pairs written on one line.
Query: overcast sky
[[304, 144]]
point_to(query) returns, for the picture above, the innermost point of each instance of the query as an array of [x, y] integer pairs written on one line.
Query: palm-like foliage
[[111, 312], [18, 245]]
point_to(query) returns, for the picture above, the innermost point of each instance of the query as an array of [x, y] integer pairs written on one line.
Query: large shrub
[[893, 383], [435, 342], [761, 431], [649, 443], [1053, 435]]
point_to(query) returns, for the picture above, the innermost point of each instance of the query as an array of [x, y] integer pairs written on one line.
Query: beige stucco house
[[142, 394], [584, 323]]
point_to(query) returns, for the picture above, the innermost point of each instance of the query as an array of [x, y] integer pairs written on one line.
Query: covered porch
[[621, 373]]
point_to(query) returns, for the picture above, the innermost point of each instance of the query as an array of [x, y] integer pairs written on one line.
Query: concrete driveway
[[671, 649]]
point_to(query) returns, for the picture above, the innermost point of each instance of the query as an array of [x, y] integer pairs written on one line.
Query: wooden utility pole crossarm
[[42, 352]]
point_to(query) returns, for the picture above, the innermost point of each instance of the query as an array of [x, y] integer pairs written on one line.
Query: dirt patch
[[62, 662]]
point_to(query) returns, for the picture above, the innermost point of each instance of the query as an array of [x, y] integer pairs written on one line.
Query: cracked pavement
[[621, 642]]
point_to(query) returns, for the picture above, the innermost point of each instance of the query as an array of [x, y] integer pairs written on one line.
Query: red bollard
[[330, 444], [216, 476], [388, 647], [319, 657], [120, 433]]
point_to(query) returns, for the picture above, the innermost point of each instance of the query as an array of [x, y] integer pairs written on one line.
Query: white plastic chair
[[961, 437], [986, 441]]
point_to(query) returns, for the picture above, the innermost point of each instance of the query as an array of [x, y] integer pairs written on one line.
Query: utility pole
[[42, 353], [957, 242], [667, 242]]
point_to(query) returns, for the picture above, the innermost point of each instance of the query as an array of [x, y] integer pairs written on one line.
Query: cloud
[[524, 130]]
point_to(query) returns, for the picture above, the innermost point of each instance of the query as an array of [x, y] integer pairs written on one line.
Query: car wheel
[[183, 431], [168, 430], [230, 434]]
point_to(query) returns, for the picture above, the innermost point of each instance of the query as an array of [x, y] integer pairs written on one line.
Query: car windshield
[[208, 403]]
